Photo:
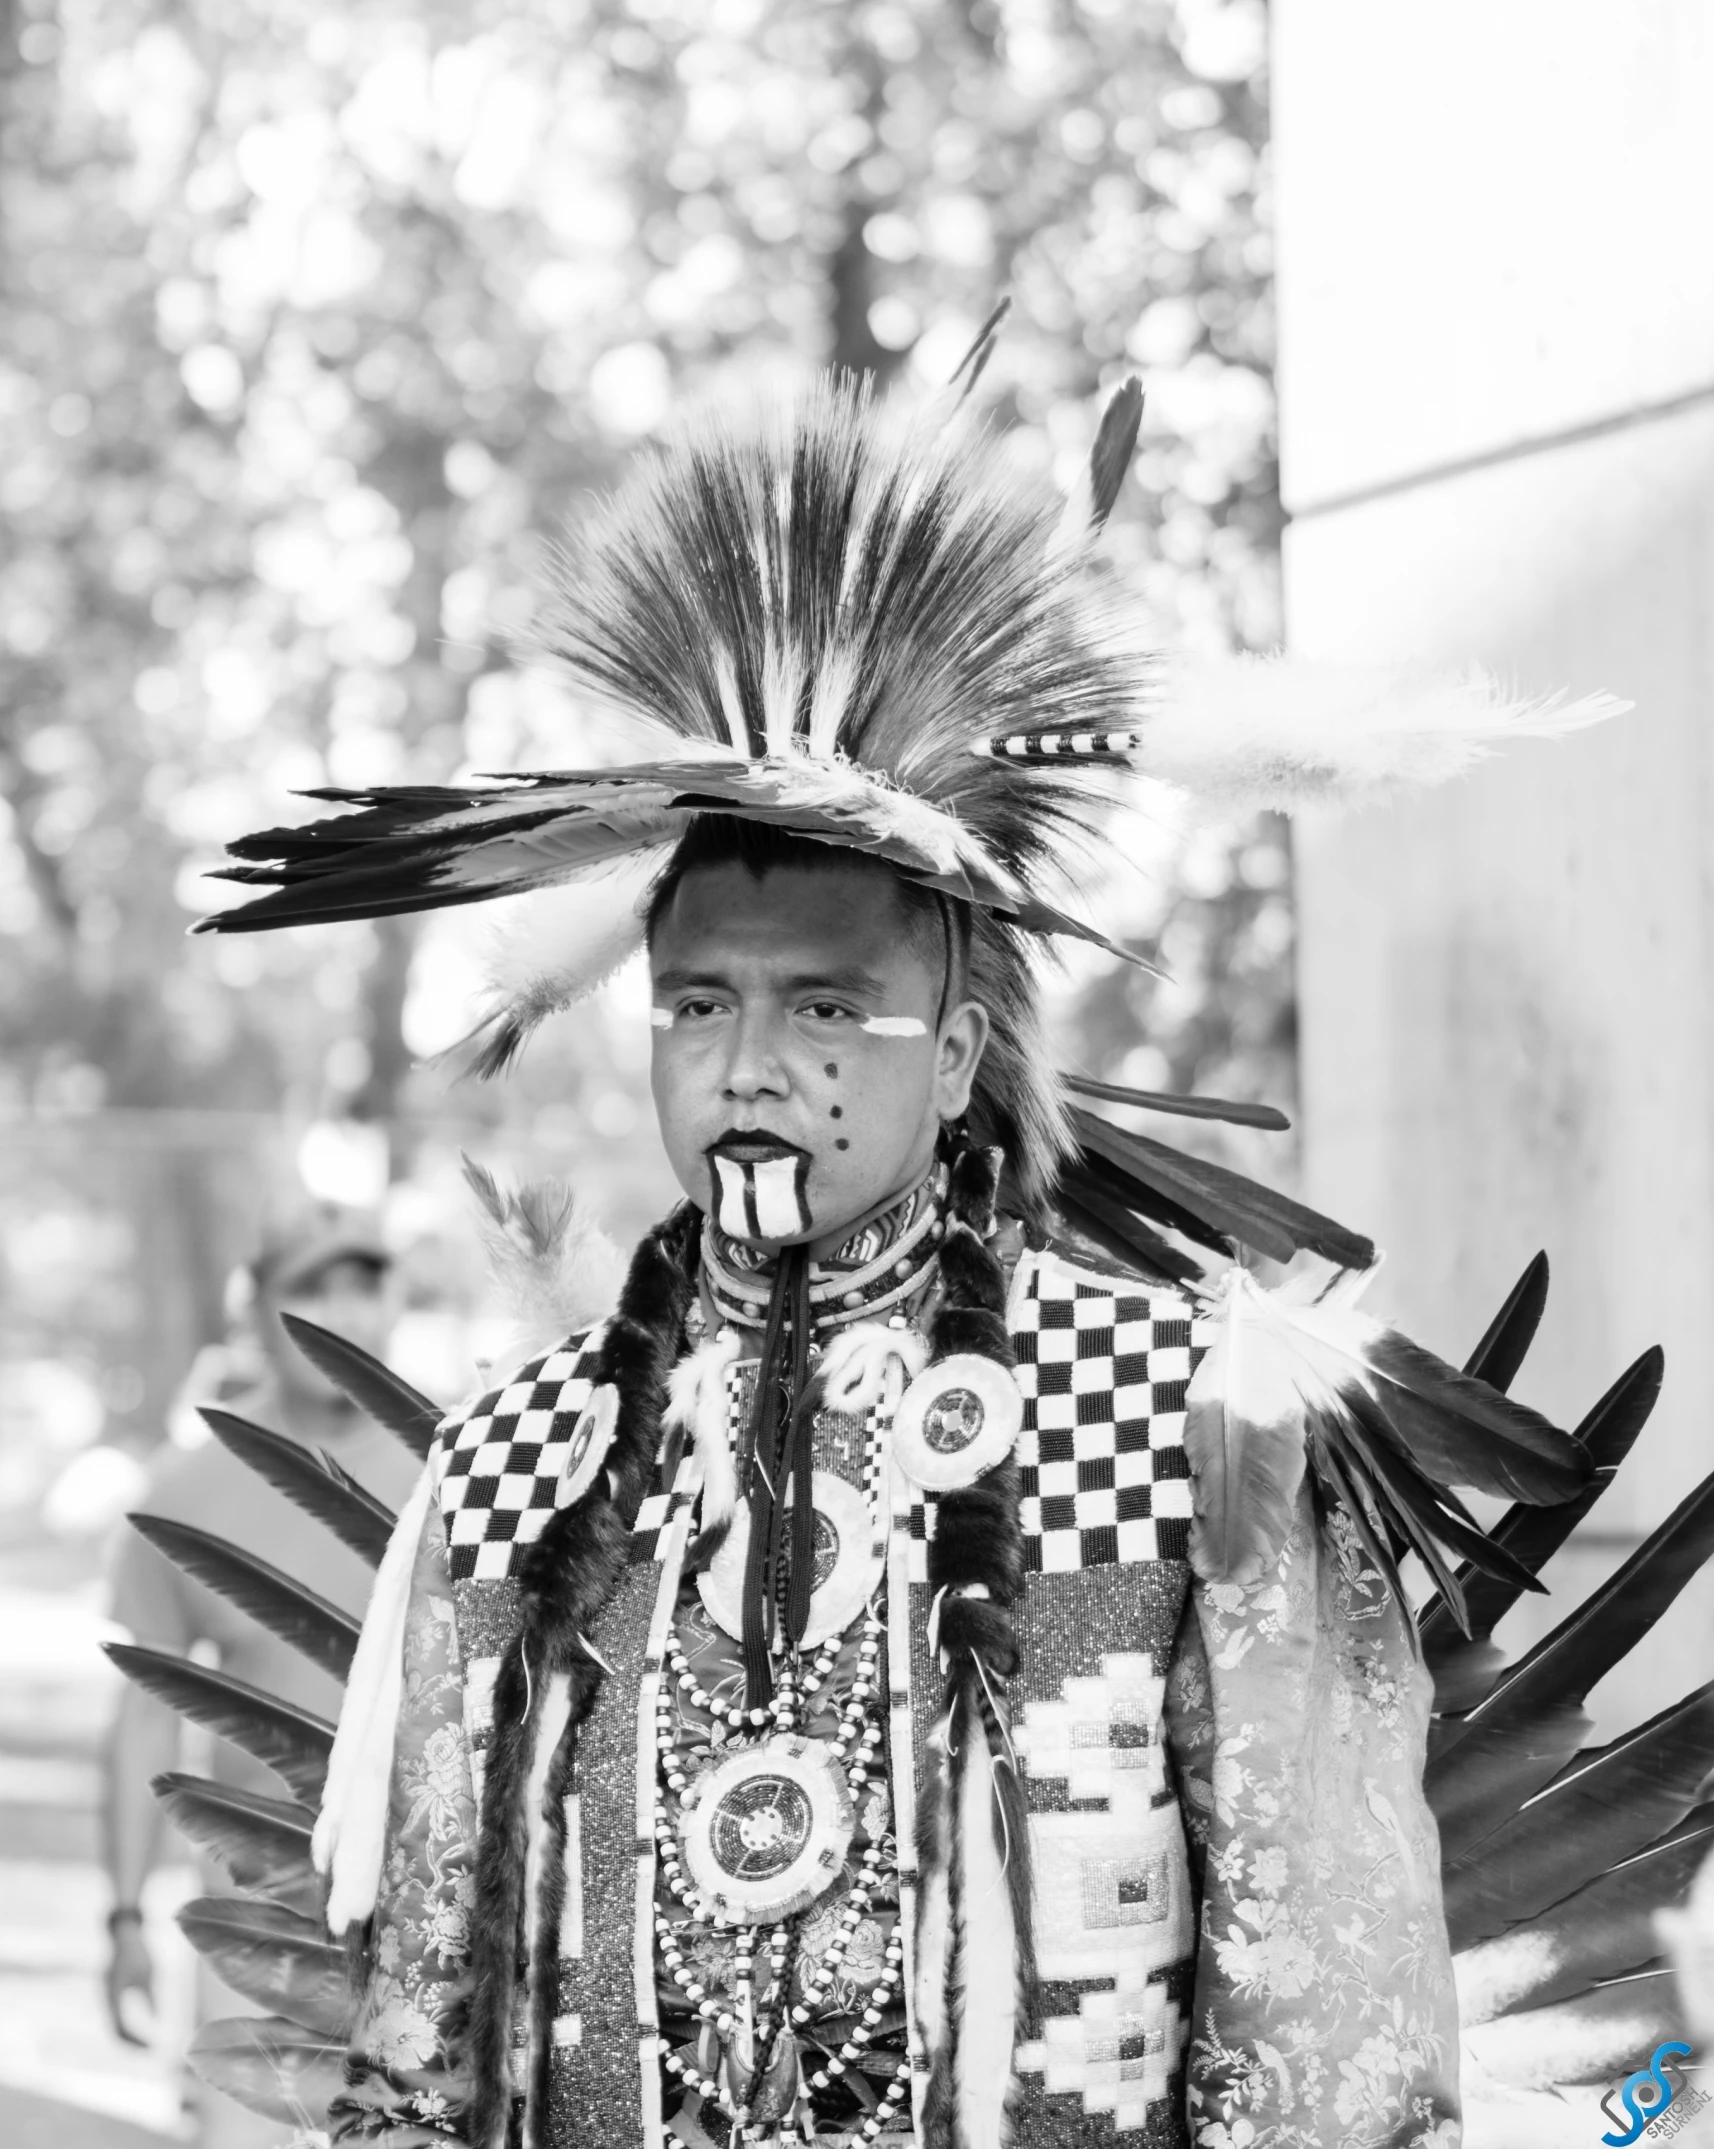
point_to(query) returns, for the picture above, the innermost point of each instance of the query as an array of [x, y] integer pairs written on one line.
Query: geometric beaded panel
[[503, 1468], [1103, 1365]]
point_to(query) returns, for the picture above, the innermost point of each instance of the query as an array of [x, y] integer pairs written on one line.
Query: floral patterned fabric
[[1325, 2016], [400, 2083]]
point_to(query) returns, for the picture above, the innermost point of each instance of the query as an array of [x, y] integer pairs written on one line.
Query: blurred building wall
[[1497, 390]]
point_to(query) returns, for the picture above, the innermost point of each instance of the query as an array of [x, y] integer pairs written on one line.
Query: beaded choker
[[880, 1266]]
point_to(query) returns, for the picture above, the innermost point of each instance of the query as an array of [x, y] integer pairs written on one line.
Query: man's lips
[[754, 1147]]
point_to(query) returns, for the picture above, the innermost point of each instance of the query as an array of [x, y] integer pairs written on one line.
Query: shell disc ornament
[[956, 1420], [765, 1832], [591, 1437], [847, 1563]]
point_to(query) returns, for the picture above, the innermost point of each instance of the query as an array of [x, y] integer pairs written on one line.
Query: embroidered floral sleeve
[[1324, 2010], [402, 2082]]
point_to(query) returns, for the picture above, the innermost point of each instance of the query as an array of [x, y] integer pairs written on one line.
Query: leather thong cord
[[782, 1374]]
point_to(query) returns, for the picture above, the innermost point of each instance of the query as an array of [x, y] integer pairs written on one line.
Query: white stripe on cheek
[[893, 1026], [660, 1018], [781, 1211]]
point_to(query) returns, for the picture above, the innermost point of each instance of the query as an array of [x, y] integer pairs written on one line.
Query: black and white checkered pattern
[[1103, 1364], [504, 1462]]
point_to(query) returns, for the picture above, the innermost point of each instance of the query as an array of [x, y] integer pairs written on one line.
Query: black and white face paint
[[760, 1188]]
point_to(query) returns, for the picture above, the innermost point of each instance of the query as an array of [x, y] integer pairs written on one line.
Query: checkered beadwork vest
[[1103, 1362]]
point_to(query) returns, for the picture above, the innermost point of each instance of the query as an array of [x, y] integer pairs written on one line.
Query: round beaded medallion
[[847, 1563], [956, 1420], [765, 1831]]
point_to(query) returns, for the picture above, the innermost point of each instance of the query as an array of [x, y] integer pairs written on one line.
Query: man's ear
[[963, 1039]]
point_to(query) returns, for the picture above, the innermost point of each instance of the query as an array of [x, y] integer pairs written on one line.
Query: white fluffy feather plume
[[351, 1828], [552, 949], [556, 1270], [1244, 733], [697, 1404], [868, 1365]]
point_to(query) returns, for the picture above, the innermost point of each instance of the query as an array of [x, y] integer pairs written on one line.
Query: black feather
[[1503, 1348], [263, 1843], [271, 2066], [1533, 1534], [1604, 1628], [373, 1387], [272, 1956], [1416, 1503], [292, 1742], [1607, 1927], [1332, 1466], [1089, 1207], [1223, 1200], [1115, 444], [1226, 1109], [1463, 1669], [969, 368], [319, 1630], [1091, 1171], [1604, 1807], [1498, 1769], [1459, 1431], [316, 1482]]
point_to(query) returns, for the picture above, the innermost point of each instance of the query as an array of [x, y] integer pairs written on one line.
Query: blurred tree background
[[316, 324]]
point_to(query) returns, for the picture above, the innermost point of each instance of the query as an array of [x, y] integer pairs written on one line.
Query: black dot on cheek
[[831, 1070], [838, 1112], [842, 1143]]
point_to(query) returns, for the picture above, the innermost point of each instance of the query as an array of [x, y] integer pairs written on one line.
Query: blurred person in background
[[329, 1265]]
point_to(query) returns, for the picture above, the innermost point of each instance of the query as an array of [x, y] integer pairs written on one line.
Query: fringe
[[547, 1898], [697, 1392], [566, 1578], [973, 1842]]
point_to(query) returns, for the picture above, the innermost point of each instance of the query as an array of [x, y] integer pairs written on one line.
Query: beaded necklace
[[736, 1765], [746, 2059]]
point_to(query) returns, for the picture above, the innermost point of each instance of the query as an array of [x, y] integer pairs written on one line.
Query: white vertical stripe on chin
[[732, 1211], [781, 1211], [763, 1200]]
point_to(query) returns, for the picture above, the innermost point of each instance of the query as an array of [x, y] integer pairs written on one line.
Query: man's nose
[[756, 1067]]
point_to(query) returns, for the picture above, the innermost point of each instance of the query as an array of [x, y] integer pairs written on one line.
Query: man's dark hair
[[936, 928]]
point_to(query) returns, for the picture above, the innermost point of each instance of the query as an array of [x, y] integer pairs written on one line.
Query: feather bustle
[[313, 1482], [293, 1742]]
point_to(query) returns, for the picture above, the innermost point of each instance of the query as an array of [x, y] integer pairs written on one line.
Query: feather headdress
[[868, 632]]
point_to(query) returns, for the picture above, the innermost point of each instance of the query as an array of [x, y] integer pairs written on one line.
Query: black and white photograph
[[856, 1074]]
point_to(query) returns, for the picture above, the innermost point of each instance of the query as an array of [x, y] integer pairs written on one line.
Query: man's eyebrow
[[852, 979]]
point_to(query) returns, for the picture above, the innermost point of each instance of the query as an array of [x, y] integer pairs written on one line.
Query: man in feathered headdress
[[927, 1665]]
